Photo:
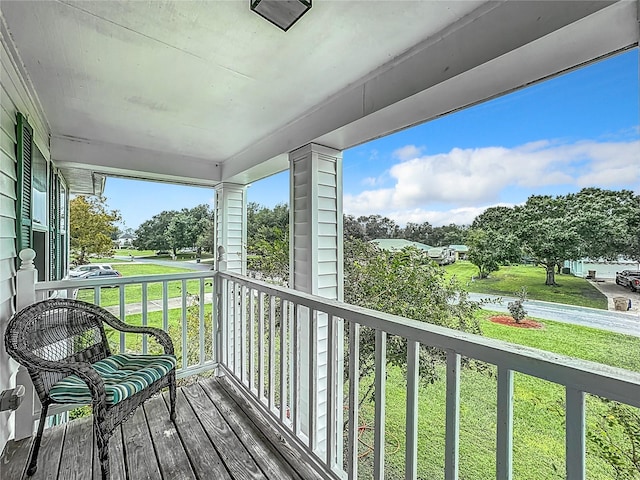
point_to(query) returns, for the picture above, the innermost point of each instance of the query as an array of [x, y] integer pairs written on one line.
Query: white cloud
[[464, 177], [407, 152], [369, 181]]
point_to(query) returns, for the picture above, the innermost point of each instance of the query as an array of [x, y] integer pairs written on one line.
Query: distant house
[[442, 255], [399, 244], [461, 251], [125, 240]]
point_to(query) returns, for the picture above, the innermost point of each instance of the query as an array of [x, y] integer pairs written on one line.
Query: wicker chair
[[63, 345]]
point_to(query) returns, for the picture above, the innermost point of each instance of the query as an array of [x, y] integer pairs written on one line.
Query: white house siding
[[14, 96], [316, 257]]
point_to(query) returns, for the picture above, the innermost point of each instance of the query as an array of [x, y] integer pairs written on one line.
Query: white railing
[[183, 305], [266, 345], [261, 351]]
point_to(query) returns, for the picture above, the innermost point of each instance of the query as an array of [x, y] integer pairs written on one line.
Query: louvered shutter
[[24, 136], [54, 233]]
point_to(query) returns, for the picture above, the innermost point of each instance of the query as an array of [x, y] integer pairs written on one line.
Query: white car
[[82, 269]]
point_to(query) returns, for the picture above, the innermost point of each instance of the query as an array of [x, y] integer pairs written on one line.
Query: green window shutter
[[24, 136], [54, 270]]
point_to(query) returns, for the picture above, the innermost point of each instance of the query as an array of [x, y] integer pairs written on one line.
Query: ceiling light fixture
[[282, 13]]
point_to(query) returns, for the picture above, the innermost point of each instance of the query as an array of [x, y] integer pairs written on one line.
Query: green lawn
[[133, 293], [510, 279], [538, 410]]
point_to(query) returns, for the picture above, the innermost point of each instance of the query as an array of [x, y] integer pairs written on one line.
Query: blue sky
[[581, 129]]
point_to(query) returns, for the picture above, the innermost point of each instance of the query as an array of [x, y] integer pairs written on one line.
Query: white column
[[316, 267], [231, 235], [231, 225]]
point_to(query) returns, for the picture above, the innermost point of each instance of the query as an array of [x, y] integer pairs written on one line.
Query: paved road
[[620, 322], [191, 265]]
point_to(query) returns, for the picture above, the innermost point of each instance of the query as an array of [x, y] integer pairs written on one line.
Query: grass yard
[[538, 410], [133, 293], [510, 279]]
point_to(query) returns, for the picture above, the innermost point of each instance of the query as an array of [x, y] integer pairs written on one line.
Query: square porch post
[[316, 267]]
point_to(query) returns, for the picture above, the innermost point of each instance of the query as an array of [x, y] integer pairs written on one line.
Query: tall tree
[[497, 219], [268, 241], [417, 232], [352, 229], [547, 231], [377, 226], [488, 249], [150, 235], [409, 284], [445, 235], [91, 226]]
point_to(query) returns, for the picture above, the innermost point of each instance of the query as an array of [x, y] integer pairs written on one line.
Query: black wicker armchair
[[63, 345]]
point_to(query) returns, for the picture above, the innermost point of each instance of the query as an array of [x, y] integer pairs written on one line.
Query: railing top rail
[[610, 382], [65, 284]]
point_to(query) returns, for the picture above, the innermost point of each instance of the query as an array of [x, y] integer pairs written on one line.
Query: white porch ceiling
[[205, 91]]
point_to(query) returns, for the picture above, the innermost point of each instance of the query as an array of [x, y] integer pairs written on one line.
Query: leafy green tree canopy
[[91, 226], [173, 230]]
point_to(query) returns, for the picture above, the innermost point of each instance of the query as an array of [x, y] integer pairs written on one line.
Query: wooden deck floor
[[217, 437]]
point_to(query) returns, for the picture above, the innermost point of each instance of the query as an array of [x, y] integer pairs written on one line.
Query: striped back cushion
[[124, 375]]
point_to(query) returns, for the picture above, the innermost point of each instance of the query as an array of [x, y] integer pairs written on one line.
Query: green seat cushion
[[124, 375]]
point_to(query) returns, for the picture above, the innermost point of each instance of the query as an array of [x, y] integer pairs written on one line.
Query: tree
[[181, 232], [409, 284], [151, 234], [497, 219], [173, 230], [488, 249], [607, 222], [268, 241], [417, 232], [593, 223], [352, 229], [547, 231], [445, 235], [376, 226], [91, 225]]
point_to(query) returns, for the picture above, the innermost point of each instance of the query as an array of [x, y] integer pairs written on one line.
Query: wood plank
[[116, 458], [173, 460], [141, 462], [78, 444], [235, 457], [50, 453], [263, 452], [14, 459], [264, 425], [204, 458]]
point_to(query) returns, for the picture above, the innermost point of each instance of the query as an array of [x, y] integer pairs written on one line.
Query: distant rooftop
[[459, 248], [398, 244]]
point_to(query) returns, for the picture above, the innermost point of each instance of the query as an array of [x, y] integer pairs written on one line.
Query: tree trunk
[[551, 274]]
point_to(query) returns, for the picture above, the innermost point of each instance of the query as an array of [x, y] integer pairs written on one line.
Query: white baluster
[[26, 279]]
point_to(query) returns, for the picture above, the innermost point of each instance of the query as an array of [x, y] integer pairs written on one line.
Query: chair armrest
[[161, 336]]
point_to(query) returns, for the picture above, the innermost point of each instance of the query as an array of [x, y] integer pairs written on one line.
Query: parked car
[[100, 273], [629, 279], [83, 269]]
